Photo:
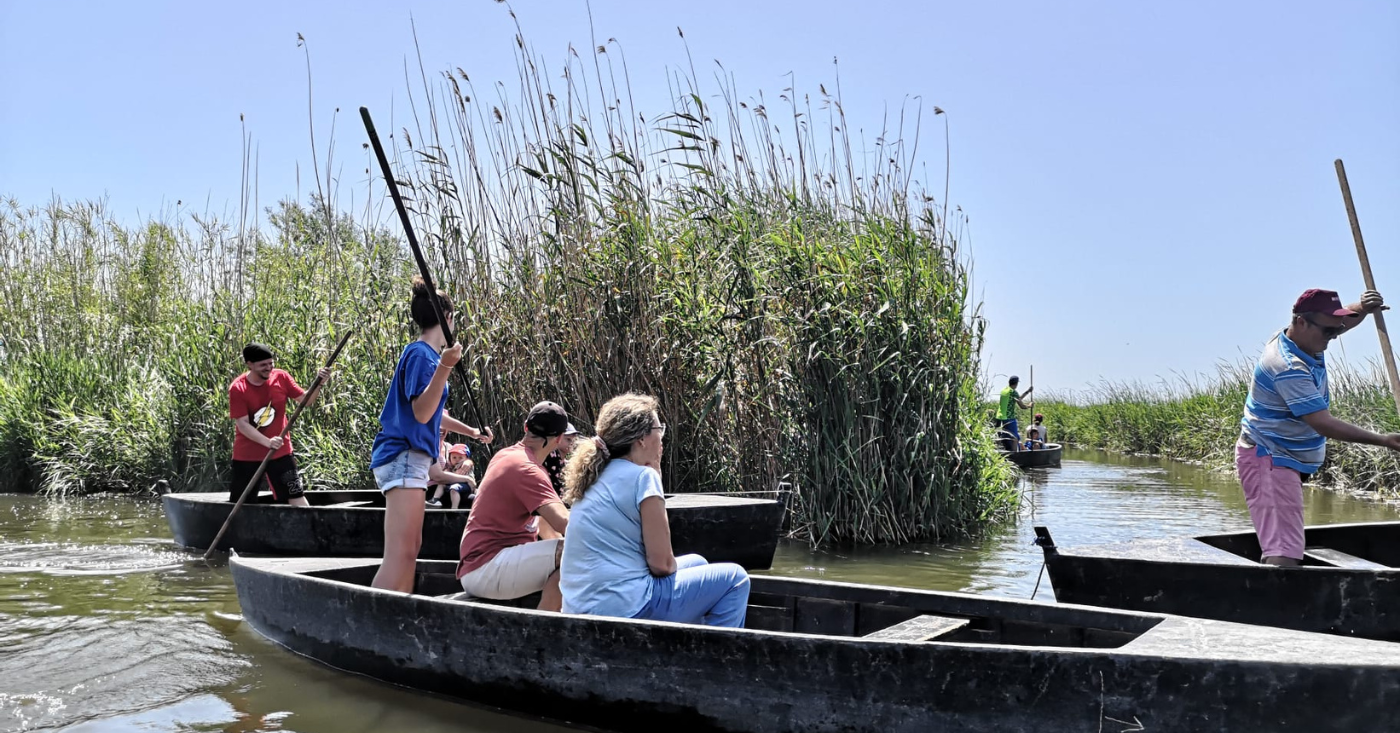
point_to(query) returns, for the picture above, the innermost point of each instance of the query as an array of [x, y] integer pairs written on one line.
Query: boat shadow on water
[[820, 656]]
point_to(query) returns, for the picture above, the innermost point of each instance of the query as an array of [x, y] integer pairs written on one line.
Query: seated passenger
[[617, 555], [1033, 441], [502, 554], [1039, 426], [454, 473], [554, 463], [440, 475]]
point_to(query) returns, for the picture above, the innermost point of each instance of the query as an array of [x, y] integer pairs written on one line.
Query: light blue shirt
[[604, 569], [1288, 384]]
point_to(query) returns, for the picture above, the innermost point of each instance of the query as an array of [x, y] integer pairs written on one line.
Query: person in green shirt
[[1008, 433]]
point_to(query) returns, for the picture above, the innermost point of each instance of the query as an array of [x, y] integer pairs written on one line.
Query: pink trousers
[[1274, 495]]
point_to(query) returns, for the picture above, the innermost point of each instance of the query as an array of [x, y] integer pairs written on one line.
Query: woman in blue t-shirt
[[617, 554], [407, 443]]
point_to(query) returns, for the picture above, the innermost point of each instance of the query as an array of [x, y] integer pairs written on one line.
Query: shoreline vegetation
[[801, 309], [1199, 421]]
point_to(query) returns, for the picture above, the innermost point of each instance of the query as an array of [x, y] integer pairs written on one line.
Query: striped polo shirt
[[1288, 384]]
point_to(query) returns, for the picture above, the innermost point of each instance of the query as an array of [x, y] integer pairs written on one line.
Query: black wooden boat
[[1349, 583], [351, 524], [1047, 457], [820, 656]]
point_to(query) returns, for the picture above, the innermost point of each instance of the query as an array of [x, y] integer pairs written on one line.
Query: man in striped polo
[[1287, 422]]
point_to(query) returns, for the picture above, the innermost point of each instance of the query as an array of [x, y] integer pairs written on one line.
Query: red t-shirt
[[265, 406], [513, 488]]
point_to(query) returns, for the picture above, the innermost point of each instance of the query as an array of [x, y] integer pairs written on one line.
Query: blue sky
[[1149, 184]]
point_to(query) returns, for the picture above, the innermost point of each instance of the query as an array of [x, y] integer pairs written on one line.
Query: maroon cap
[[1325, 302]]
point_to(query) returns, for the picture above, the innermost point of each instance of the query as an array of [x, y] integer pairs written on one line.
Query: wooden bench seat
[[347, 504], [920, 628], [1339, 559]]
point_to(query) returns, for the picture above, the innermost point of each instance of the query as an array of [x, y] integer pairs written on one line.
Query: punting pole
[[1386, 351], [262, 467], [417, 254]]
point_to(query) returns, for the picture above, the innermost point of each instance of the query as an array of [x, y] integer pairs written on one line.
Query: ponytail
[[624, 420], [584, 467]]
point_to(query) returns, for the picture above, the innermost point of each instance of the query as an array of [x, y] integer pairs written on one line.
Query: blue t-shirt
[[604, 569], [399, 429], [1288, 384]]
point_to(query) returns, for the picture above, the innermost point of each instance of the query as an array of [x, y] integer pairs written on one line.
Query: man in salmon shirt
[[502, 554], [257, 402]]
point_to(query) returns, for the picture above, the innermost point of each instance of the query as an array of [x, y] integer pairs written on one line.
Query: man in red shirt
[[502, 554], [257, 402]]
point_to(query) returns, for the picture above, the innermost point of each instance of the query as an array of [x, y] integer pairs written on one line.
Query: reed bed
[[795, 299], [1199, 420]]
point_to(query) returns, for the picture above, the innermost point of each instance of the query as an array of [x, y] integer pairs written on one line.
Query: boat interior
[[870, 612], [1373, 546]]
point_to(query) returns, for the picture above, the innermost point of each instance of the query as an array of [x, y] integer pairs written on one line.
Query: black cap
[[256, 352], [1014, 379], [547, 420]]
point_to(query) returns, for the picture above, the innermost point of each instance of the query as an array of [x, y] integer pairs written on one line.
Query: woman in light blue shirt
[[617, 555]]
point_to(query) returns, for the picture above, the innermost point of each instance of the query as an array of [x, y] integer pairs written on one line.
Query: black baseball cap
[[256, 352], [547, 419]]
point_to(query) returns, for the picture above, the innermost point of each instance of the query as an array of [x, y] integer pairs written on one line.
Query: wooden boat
[[820, 656], [1047, 457], [1349, 584], [351, 524]]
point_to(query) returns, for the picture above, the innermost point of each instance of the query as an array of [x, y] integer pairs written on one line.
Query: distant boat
[[1349, 583], [1047, 457], [821, 656], [722, 528]]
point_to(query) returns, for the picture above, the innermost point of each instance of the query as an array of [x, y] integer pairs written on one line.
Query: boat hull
[[721, 528], [628, 675], [1211, 577], [1047, 457]]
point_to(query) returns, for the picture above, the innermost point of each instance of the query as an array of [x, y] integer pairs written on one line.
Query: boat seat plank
[[920, 628], [348, 504], [1337, 558]]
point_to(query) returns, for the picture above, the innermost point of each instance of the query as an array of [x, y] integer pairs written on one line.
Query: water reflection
[[105, 626]]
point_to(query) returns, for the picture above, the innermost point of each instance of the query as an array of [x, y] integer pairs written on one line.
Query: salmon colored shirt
[[512, 490]]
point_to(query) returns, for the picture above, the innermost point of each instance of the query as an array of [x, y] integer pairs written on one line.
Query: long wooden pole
[[1387, 353], [262, 467], [417, 253]]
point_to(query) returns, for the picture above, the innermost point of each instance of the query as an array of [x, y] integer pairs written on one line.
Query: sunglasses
[[1330, 332]]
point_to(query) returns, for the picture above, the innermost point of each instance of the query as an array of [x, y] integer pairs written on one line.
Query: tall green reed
[[799, 306]]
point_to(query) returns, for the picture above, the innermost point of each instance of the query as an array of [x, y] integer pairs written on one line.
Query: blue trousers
[[700, 593], [1008, 434]]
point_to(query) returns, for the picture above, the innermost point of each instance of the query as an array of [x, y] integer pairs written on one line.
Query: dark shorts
[[281, 477]]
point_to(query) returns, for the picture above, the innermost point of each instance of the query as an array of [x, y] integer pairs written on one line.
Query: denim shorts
[[407, 470]]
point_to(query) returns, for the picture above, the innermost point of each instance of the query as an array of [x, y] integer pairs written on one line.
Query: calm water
[[106, 626]]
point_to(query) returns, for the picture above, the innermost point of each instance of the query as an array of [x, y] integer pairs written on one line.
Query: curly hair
[[624, 420]]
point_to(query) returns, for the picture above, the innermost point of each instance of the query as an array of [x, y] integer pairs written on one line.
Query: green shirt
[[1006, 410]]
